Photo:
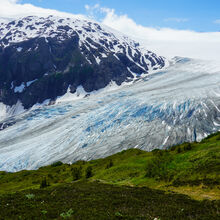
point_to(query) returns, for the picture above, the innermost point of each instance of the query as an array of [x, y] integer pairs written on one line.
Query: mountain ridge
[[53, 54]]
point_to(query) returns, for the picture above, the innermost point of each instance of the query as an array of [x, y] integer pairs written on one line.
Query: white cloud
[[92, 10], [178, 20], [88, 7], [166, 41], [11, 9]]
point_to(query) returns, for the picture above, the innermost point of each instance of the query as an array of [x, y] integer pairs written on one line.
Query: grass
[[191, 169]]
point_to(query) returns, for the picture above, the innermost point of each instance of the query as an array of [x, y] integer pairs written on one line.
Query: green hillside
[[144, 181]]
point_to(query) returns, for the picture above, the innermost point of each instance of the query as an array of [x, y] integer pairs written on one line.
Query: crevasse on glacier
[[180, 103]]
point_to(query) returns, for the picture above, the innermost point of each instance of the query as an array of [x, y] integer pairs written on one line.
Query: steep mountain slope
[[178, 104], [41, 58]]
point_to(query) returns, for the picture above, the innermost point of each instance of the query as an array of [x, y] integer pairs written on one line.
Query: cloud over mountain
[[165, 41]]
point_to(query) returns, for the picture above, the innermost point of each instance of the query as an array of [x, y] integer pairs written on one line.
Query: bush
[[109, 165], [179, 150], [30, 196], [173, 148], [50, 176], [67, 214], [157, 152], [56, 164], [187, 147], [158, 167], [89, 172], [76, 173], [44, 183]]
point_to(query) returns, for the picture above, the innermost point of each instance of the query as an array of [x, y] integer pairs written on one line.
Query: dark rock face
[[36, 68]]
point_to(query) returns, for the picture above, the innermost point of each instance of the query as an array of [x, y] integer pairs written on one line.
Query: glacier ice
[[180, 103]]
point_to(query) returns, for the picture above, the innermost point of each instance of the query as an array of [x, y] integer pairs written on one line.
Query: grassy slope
[[192, 169]]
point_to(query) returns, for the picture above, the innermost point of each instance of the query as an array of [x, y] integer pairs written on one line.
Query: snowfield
[[177, 104]]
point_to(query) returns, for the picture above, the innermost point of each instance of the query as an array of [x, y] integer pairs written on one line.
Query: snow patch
[[30, 82], [20, 88], [12, 85], [19, 49], [97, 60]]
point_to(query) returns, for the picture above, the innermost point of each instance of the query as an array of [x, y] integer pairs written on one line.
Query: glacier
[[177, 104]]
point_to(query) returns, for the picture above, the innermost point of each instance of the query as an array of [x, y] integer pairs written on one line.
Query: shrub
[[157, 152], [179, 150], [44, 212], [109, 164], [30, 196], [44, 183], [50, 176], [118, 214], [56, 164], [89, 172], [173, 148], [187, 147], [67, 214], [76, 173], [158, 167]]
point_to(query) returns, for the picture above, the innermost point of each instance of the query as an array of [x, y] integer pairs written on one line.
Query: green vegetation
[[57, 164], [95, 200], [77, 173], [89, 172], [44, 183], [67, 214], [132, 184], [30, 196]]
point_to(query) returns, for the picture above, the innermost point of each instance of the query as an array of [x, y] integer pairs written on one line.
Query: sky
[[170, 28], [198, 15]]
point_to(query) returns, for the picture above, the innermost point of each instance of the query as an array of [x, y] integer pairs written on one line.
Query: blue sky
[[187, 28], [198, 15]]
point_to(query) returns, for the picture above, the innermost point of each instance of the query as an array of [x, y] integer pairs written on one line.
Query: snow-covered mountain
[[42, 58]]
